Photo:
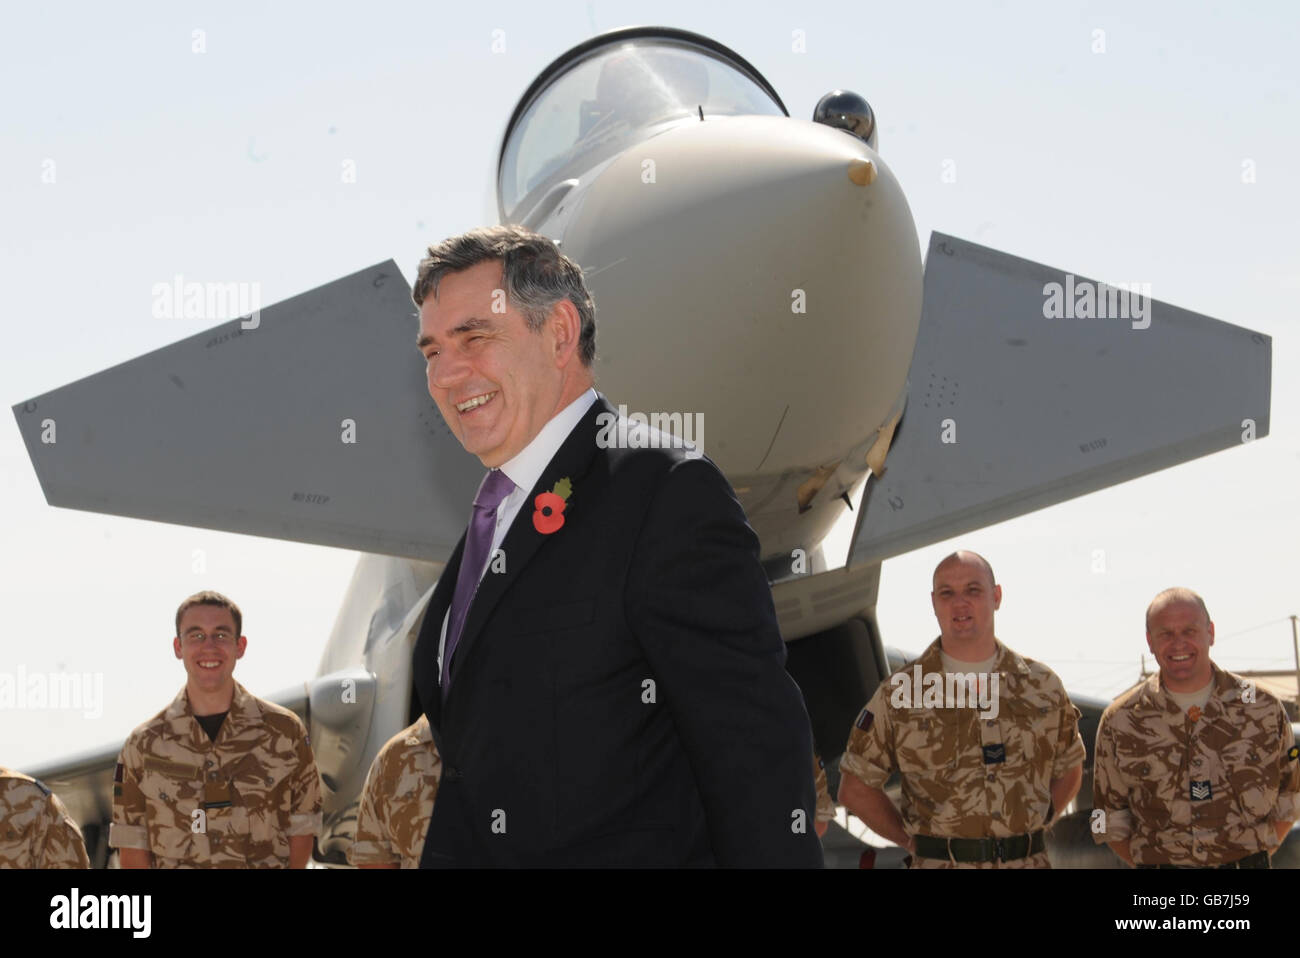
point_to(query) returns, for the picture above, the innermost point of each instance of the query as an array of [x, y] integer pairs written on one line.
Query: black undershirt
[[212, 723]]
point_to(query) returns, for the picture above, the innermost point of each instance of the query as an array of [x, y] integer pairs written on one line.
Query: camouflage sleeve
[[130, 824], [62, 846], [1287, 808], [825, 807], [305, 812], [1070, 750], [371, 845], [869, 756], [1112, 821]]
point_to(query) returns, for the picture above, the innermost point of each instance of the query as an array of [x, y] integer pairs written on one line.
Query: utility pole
[[1295, 641]]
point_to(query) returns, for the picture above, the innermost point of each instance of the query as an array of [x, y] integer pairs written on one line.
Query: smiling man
[[219, 778], [600, 662], [1195, 767], [981, 780]]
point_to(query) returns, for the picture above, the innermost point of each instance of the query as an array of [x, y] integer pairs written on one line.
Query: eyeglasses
[[220, 637]]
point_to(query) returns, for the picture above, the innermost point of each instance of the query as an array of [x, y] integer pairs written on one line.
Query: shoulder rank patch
[[864, 719], [1293, 753], [1201, 791], [995, 754], [41, 785], [117, 773]]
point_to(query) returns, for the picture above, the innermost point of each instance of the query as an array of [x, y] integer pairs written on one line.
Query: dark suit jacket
[[618, 695]]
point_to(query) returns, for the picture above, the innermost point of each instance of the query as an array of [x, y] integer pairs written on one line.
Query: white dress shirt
[[524, 470]]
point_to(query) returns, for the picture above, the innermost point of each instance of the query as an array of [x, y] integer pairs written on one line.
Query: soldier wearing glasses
[[219, 778]]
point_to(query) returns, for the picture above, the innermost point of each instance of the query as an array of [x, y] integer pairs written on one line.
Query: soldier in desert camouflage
[[35, 829], [397, 801], [1196, 767], [219, 778], [979, 786]]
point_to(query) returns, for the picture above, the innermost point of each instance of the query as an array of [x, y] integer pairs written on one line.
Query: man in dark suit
[[600, 662]]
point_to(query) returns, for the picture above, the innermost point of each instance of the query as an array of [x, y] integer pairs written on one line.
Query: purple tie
[[495, 487]]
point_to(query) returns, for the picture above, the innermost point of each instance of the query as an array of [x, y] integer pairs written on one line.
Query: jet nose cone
[[766, 252]]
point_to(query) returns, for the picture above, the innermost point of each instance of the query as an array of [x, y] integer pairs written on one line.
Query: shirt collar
[[526, 468], [1222, 687], [243, 708], [1006, 660], [180, 706]]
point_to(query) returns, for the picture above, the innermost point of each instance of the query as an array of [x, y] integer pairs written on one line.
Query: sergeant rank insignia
[[1201, 790]]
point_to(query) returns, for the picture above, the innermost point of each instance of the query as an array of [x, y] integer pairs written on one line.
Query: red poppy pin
[[550, 507]]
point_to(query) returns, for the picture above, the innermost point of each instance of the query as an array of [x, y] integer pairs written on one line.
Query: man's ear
[[240, 645], [176, 647], [566, 326], [997, 597]]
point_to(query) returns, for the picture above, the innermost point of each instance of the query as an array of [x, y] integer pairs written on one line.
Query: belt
[[980, 849], [1257, 860]]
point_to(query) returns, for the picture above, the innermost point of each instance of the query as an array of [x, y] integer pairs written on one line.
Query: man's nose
[[448, 369]]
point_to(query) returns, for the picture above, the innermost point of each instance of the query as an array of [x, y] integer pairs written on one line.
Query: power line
[[1256, 628]]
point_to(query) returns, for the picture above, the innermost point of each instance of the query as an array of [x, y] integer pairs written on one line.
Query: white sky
[[1125, 166]]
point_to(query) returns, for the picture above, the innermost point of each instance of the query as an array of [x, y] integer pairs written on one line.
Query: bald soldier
[[36, 831], [1196, 767], [219, 778], [986, 742], [397, 801]]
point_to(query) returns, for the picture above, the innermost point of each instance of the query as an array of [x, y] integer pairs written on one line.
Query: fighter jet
[[755, 273]]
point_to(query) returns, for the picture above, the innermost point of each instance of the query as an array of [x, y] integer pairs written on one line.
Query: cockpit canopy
[[616, 90]]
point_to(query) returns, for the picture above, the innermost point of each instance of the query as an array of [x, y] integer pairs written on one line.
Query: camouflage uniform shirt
[[35, 829], [825, 807], [232, 803], [397, 800], [1201, 791], [964, 776]]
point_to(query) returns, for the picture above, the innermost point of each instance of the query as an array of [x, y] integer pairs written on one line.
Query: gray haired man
[[600, 662]]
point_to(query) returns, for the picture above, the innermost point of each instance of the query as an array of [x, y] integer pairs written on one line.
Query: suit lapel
[[428, 681], [522, 541]]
